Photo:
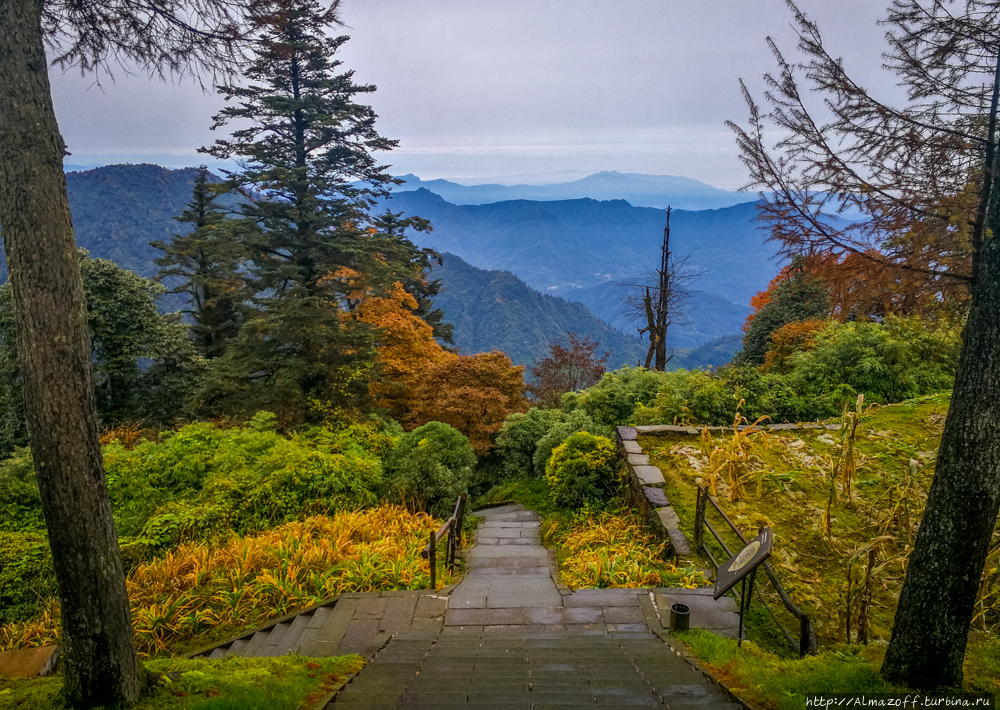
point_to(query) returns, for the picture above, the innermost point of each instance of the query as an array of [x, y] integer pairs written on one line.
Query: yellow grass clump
[[243, 582], [614, 549]]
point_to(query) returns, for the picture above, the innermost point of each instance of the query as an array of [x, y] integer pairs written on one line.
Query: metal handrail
[[807, 635], [452, 527]]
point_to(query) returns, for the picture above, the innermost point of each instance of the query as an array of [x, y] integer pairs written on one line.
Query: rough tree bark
[[54, 349], [936, 603]]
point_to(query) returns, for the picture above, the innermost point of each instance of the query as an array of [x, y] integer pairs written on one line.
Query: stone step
[[277, 633], [317, 620], [237, 646], [291, 640], [257, 642], [327, 641]]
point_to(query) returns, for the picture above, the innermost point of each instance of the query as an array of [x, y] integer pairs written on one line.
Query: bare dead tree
[[659, 302], [924, 177], [159, 37]]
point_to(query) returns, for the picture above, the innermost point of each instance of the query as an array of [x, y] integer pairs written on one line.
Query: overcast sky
[[520, 90]]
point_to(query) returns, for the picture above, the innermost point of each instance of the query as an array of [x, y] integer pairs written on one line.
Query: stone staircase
[[506, 637], [351, 623], [557, 669], [512, 638]]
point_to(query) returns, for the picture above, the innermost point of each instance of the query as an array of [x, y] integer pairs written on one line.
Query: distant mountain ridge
[[637, 189], [118, 210], [581, 249], [495, 310]]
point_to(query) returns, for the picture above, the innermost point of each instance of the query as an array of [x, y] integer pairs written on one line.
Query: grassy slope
[[793, 474], [284, 683]]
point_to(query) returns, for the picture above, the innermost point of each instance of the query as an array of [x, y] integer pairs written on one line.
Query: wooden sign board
[[742, 563]]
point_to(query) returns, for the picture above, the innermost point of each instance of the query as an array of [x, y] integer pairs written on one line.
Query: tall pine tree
[[204, 265], [309, 178]]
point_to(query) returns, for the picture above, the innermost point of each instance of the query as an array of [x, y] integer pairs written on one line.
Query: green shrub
[[431, 466], [560, 430], [581, 470], [27, 580], [888, 362], [688, 397], [19, 494], [899, 359], [612, 401], [249, 477], [519, 437]]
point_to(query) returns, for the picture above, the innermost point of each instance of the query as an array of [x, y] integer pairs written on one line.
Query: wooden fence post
[[699, 518], [432, 556]]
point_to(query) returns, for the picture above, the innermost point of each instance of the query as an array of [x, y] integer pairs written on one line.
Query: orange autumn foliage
[[472, 393], [790, 339], [764, 297], [422, 382], [862, 287], [405, 347]]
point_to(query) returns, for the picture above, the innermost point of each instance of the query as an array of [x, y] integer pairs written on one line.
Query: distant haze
[[515, 91]]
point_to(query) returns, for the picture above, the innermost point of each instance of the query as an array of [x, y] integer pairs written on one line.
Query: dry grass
[[613, 549], [245, 581]]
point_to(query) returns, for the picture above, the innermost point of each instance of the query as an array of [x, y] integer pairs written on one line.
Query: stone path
[[512, 639]]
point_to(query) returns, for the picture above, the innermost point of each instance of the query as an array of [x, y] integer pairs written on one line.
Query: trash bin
[[680, 617]]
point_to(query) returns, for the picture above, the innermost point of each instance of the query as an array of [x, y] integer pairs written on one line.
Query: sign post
[[742, 565]]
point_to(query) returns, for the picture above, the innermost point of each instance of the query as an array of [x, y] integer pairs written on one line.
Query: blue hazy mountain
[[495, 310], [575, 250], [581, 249], [637, 189]]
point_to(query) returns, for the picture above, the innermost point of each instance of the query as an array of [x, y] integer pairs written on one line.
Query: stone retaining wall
[[646, 488]]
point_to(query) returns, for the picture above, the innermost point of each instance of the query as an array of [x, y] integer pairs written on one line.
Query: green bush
[[581, 470], [560, 430], [888, 362], [248, 478], [431, 466], [27, 580], [688, 397], [612, 401], [201, 481], [899, 359]]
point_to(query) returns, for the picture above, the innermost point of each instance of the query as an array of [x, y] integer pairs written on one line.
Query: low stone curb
[[272, 622]]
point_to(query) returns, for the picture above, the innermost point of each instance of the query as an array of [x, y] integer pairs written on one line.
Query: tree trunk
[[54, 355], [936, 603]]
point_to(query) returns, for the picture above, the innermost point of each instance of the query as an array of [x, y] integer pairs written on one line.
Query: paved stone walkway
[[512, 639]]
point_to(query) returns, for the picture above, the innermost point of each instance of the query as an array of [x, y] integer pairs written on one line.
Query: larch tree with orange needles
[[405, 349], [924, 177]]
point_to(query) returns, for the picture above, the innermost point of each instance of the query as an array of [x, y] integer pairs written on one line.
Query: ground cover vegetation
[[283, 683], [846, 505], [923, 176]]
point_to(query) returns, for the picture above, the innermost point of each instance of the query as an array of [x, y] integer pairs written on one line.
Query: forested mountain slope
[[495, 310], [119, 209], [561, 246]]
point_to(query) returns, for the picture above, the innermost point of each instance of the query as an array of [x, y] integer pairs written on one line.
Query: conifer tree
[[309, 179], [204, 265], [393, 226]]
